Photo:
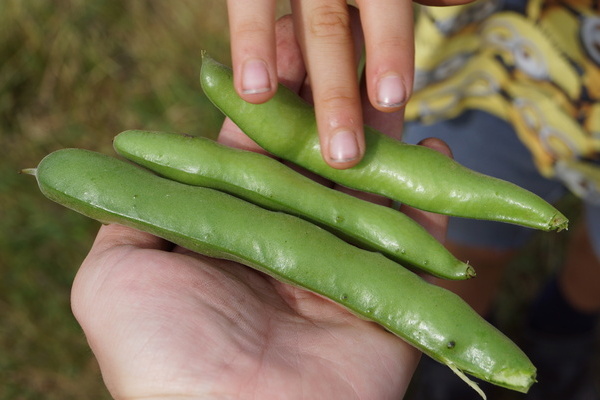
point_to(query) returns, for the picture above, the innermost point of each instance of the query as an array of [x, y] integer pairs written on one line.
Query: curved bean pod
[[267, 182], [420, 177], [292, 250]]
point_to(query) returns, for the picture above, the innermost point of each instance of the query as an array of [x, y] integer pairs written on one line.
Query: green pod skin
[[270, 184], [420, 177], [292, 250]]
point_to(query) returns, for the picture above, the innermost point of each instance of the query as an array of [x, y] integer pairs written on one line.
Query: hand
[[331, 38], [167, 323], [164, 322]]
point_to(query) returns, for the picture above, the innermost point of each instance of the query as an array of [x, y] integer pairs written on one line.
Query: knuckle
[[336, 98], [394, 42], [250, 30], [329, 22]]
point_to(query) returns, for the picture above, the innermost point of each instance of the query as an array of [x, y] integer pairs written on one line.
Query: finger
[[438, 145], [388, 30], [231, 135], [436, 224], [291, 73], [115, 235], [252, 31], [359, 42], [111, 244], [388, 123], [440, 3], [324, 33]]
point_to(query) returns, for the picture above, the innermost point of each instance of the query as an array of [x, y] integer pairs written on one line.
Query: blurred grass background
[[74, 73]]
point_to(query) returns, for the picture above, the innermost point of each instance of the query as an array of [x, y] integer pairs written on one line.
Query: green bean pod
[[292, 250], [420, 177], [267, 182]]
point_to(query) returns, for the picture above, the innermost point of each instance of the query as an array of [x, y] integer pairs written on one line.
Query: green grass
[[74, 73]]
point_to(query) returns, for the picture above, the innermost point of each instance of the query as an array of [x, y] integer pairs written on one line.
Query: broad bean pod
[[267, 182], [420, 177], [292, 250]]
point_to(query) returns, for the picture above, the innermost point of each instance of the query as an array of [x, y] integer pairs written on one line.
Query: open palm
[[167, 323]]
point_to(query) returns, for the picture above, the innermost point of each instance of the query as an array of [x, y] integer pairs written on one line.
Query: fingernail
[[343, 147], [255, 77], [390, 91]]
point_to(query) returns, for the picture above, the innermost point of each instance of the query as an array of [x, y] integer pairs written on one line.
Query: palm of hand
[[177, 324]]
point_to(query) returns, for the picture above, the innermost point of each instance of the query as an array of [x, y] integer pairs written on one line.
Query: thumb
[[115, 235]]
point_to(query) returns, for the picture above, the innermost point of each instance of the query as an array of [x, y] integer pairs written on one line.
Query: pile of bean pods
[[250, 208]]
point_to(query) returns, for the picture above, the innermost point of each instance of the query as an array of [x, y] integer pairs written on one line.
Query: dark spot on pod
[[451, 344]]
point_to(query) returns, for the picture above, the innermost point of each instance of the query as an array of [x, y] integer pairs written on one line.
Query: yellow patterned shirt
[[535, 64]]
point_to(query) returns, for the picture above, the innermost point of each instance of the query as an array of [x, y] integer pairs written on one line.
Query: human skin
[[164, 322], [327, 34], [168, 323]]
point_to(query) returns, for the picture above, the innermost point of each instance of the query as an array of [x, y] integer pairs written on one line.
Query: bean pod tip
[[470, 272], [29, 171], [559, 223]]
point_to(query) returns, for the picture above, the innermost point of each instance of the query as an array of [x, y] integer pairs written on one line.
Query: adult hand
[[331, 38], [167, 323]]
